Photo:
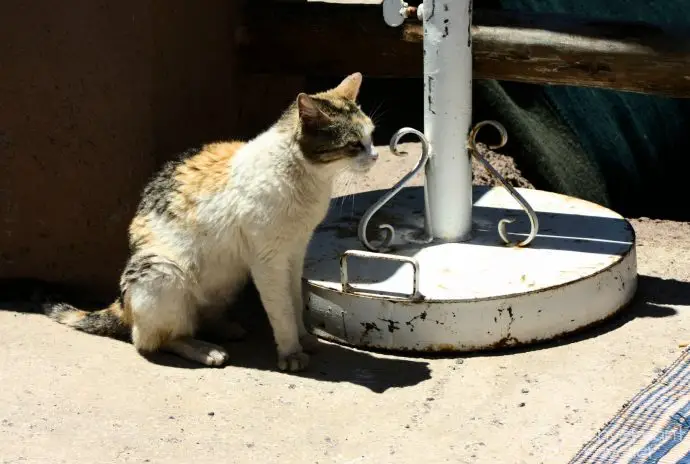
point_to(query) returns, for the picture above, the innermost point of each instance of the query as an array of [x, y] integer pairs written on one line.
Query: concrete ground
[[69, 397]]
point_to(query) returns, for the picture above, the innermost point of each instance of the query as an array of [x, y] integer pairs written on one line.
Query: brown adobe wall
[[93, 96]]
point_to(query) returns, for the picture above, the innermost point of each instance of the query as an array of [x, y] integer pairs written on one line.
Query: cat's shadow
[[331, 363]]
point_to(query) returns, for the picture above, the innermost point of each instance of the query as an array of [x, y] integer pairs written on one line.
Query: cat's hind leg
[[164, 318], [197, 350]]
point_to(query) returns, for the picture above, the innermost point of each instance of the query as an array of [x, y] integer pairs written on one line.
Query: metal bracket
[[395, 12], [347, 288], [533, 219], [389, 230]]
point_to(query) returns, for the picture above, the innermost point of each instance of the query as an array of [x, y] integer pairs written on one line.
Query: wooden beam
[[336, 39]]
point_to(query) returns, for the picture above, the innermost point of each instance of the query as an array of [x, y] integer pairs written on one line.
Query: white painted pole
[[448, 116]]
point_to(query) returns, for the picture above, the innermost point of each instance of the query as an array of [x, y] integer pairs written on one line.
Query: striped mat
[[652, 428]]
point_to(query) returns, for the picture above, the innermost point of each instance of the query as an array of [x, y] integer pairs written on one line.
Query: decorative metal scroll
[[388, 229], [534, 221]]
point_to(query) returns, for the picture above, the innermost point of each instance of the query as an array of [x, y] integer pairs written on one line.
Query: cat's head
[[333, 130]]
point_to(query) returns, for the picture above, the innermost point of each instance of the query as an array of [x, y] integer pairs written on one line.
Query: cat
[[219, 214]]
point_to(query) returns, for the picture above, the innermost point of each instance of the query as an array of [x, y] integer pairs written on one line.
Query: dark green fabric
[[622, 150]]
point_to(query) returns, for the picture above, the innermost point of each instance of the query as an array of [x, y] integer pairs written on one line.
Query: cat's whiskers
[[375, 116], [349, 192], [345, 179]]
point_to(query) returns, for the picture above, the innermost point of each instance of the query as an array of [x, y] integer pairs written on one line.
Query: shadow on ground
[[335, 363], [332, 363]]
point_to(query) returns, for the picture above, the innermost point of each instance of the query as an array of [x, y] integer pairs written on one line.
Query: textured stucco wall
[[93, 96]]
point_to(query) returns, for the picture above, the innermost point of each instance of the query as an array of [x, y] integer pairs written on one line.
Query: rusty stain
[[507, 341], [430, 85], [422, 317], [392, 325], [368, 327], [509, 309], [445, 347]]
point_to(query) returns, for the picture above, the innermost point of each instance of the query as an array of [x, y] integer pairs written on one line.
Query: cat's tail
[[108, 322]]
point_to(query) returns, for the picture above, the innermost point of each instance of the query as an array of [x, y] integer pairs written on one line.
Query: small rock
[[459, 361], [521, 405], [211, 414], [525, 390], [292, 386]]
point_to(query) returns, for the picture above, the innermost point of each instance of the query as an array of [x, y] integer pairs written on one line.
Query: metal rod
[[533, 219], [448, 115], [415, 295], [387, 228]]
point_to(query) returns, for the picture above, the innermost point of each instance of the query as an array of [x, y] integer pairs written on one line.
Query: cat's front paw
[[310, 343], [294, 362]]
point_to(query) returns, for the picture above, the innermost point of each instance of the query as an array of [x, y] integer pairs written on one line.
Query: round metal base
[[475, 295]]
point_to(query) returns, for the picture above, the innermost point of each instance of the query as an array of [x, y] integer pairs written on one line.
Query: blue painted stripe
[[662, 409], [644, 400], [653, 410], [668, 438], [645, 405], [641, 405], [685, 459]]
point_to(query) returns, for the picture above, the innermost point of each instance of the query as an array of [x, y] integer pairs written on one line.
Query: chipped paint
[[477, 323], [478, 295], [368, 327]]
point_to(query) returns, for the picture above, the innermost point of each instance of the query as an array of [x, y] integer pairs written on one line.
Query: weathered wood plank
[[336, 39]]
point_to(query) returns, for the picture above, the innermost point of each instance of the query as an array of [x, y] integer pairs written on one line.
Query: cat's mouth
[[365, 162], [364, 166]]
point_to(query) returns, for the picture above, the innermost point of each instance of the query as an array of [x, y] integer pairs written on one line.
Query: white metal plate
[[580, 269]]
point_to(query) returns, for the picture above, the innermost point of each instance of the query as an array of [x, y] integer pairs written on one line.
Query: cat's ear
[[309, 112], [349, 87]]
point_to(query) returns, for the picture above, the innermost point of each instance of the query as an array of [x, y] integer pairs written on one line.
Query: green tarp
[[622, 150]]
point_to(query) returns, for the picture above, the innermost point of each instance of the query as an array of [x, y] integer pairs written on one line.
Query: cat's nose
[[374, 155]]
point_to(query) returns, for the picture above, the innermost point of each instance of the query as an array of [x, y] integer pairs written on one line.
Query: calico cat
[[227, 211]]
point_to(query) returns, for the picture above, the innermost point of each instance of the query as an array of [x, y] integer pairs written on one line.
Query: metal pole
[[448, 116]]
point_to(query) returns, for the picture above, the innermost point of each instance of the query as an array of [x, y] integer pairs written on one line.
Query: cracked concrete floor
[[68, 397]]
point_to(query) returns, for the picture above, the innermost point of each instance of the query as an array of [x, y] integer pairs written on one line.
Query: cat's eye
[[355, 147]]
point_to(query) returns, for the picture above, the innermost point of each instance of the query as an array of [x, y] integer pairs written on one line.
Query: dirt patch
[[506, 167]]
